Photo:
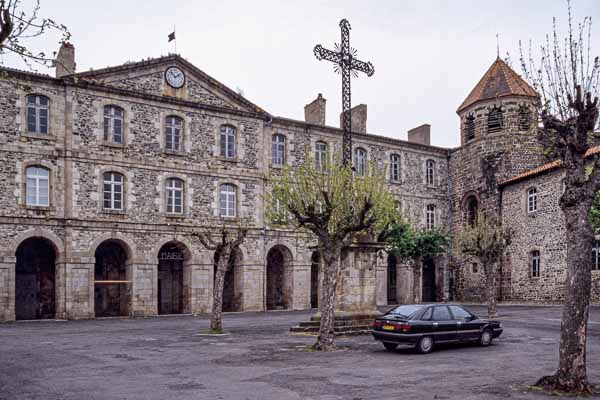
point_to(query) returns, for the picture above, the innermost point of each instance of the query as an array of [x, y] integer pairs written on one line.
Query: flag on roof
[[171, 36]]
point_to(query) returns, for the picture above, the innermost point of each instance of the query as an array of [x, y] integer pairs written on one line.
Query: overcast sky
[[428, 55]]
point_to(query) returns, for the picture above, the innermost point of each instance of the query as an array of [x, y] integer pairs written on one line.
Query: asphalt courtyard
[[164, 358]]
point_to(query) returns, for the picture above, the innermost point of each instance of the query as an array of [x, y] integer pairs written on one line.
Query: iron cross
[[346, 63]]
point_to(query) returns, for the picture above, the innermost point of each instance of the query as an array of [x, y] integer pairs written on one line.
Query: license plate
[[388, 327]]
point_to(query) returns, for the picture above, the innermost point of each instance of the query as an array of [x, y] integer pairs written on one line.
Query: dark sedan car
[[425, 325]]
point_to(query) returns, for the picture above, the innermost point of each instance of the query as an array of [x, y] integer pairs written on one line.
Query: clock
[[175, 77]]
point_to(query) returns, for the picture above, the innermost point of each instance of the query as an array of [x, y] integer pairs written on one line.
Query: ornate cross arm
[[323, 54], [362, 66]]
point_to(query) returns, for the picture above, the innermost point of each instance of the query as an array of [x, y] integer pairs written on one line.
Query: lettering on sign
[[170, 255]]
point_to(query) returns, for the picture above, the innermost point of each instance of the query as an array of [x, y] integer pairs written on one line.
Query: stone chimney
[[65, 60], [314, 113], [359, 118], [420, 134]]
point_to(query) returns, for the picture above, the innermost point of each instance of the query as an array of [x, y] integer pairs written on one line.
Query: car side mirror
[[471, 318]]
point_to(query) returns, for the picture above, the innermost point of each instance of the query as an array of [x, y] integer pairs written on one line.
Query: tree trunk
[[490, 288], [330, 257], [216, 319], [571, 375]]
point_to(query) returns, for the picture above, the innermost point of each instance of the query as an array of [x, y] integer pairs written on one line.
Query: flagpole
[[175, 31]]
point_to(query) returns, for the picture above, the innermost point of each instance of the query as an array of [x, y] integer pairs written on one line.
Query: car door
[[444, 325], [467, 326]]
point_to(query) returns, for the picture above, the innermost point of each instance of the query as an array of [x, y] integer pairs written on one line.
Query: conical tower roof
[[499, 81]]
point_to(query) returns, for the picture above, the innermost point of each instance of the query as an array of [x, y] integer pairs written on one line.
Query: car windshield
[[406, 311]]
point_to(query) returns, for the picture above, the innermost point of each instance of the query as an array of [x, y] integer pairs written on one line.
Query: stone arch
[[112, 278], [35, 279], [174, 278], [50, 236], [279, 272], [124, 240]]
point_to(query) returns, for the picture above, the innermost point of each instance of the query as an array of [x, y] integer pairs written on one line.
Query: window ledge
[[113, 212], [39, 208], [179, 153], [174, 216], [232, 160], [532, 214], [277, 166], [114, 145], [391, 182], [38, 136]]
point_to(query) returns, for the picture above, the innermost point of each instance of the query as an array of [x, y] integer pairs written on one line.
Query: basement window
[[495, 120]]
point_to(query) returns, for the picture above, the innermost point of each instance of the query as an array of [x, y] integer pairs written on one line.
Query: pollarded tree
[[225, 246], [18, 26], [486, 240], [414, 245], [567, 78], [335, 206]]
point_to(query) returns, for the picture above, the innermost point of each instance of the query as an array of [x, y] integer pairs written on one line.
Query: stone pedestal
[[7, 288]]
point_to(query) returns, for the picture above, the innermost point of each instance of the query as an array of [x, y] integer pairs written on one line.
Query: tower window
[[524, 118], [532, 205], [469, 128], [495, 120]]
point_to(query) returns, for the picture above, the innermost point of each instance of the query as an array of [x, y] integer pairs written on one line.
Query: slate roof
[[499, 81], [545, 168]]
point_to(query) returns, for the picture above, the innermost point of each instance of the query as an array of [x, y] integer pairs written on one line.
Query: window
[[524, 118], [360, 162], [441, 313], [535, 264], [37, 186], [469, 128], [459, 313], [278, 149], [113, 124], [471, 208], [174, 189], [113, 191], [430, 216], [37, 114], [427, 314], [395, 168], [321, 156], [228, 200], [475, 268], [227, 141], [430, 172], [495, 120], [531, 200], [173, 127], [596, 256]]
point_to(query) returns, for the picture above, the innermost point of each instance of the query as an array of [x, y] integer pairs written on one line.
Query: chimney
[[420, 134], [314, 113], [358, 114], [65, 60]]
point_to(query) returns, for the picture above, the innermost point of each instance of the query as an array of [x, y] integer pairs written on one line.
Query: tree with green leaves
[[414, 245], [335, 206], [18, 26], [567, 78], [486, 240]]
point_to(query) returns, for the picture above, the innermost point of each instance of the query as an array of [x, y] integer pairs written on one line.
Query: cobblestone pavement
[[162, 358]]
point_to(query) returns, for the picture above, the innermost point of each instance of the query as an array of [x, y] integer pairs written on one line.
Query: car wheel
[[425, 344], [485, 339], [390, 346]]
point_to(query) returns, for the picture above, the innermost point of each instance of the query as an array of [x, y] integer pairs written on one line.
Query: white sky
[[428, 55]]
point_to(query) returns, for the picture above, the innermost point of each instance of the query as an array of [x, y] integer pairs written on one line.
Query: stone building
[[106, 174]]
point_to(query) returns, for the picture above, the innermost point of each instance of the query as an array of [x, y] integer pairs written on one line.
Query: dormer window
[[495, 120], [469, 128], [524, 118]]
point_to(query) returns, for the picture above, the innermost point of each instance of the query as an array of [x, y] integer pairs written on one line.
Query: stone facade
[[116, 261]]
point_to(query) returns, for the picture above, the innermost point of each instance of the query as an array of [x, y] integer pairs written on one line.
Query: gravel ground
[[164, 358]]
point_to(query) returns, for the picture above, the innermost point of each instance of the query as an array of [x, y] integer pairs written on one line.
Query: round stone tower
[[498, 130]]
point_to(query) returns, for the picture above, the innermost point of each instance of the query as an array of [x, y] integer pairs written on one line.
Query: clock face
[[175, 77]]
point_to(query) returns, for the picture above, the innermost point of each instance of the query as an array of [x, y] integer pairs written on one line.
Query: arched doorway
[[391, 280], [110, 280], [35, 289], [314, 279], [429, 289], [171, 263], [231, 295], [279, 269]]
